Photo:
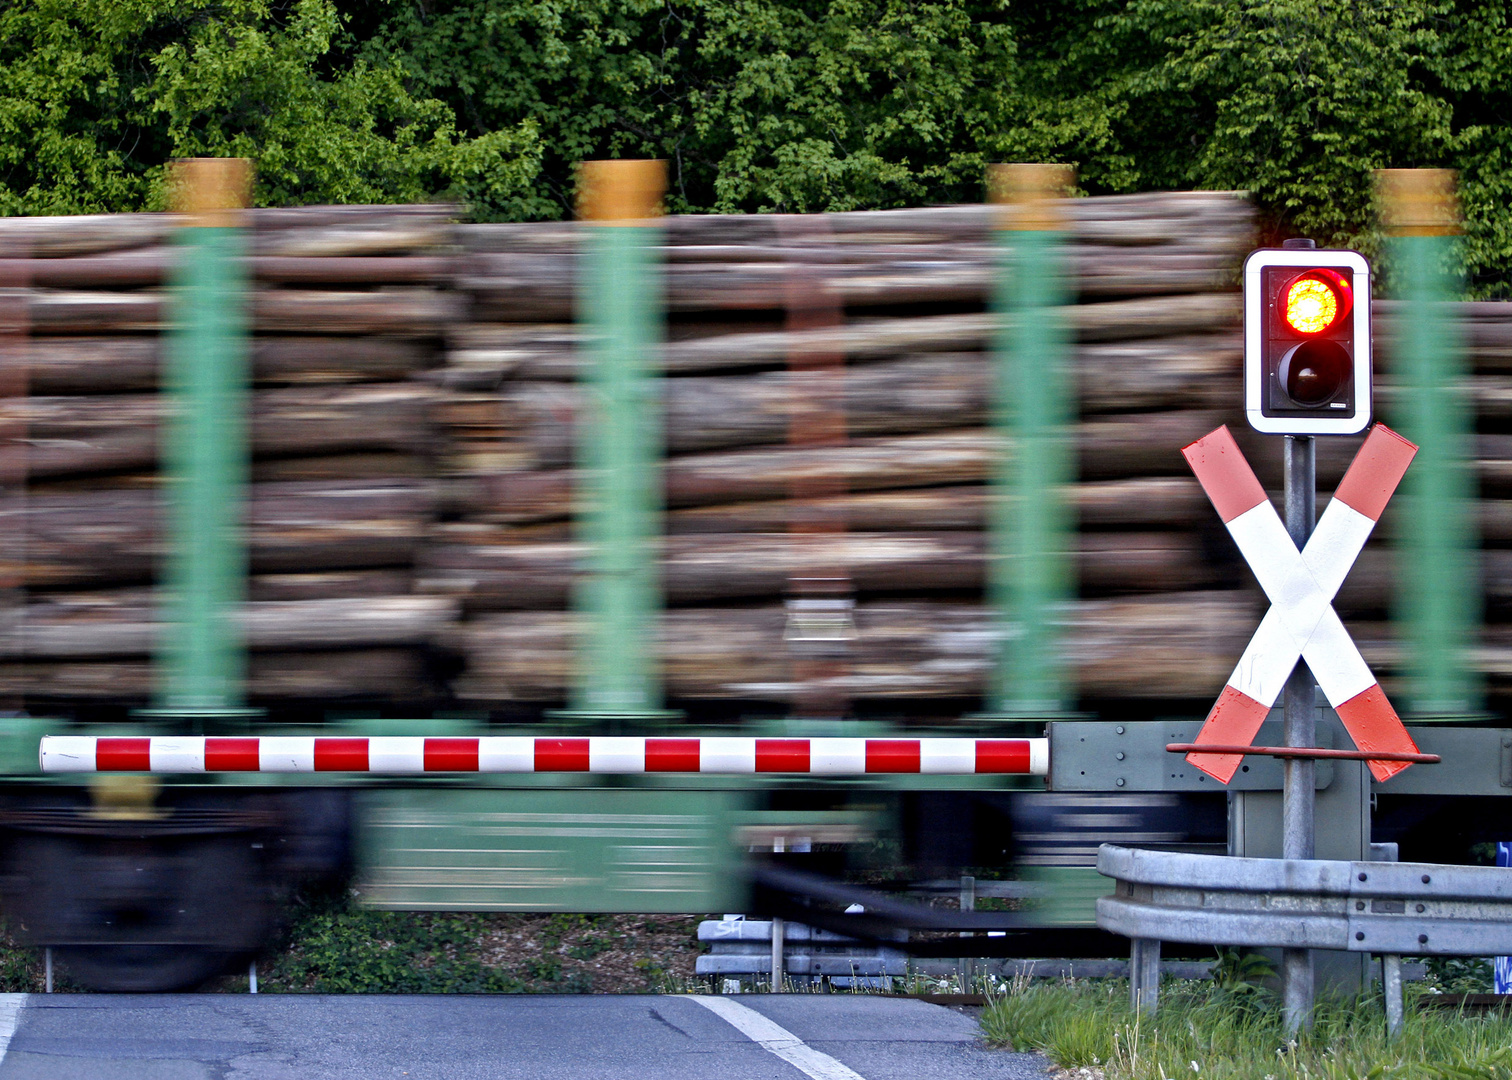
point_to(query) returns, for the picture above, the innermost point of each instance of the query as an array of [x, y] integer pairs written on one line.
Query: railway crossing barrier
[[410, 755]]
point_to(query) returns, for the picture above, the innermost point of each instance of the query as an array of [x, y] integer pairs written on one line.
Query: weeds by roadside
[[1087, 1028], [334, 946]]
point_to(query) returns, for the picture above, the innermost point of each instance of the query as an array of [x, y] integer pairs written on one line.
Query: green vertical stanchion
[[1031, 580], [619, 439], [1439, 599], [201, 667]]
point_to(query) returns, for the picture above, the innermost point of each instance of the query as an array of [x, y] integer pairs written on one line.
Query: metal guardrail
[[1389, 909]]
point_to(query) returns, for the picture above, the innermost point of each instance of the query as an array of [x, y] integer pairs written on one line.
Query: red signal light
[[1315, 301], [1307, 340]]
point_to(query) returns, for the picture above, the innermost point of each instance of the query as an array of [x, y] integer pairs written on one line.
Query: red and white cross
[[1301, 585]]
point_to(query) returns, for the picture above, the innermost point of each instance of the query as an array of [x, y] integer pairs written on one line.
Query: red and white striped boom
[[405, 755]]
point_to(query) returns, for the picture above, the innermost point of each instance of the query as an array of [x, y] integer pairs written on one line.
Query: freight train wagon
[[820, 461]]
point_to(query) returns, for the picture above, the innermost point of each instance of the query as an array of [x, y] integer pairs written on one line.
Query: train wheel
[[143, 915]]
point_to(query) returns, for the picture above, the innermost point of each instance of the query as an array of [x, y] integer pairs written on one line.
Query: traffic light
[[1307, 341]]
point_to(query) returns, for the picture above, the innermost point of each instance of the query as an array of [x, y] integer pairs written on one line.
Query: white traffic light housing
[[1307, 341]]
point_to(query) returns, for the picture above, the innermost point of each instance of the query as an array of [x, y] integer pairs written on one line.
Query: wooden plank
[[270, 219], [118, 433], [330, 585], [353, 239], [96, 365], [933, 391], [1139, 445], [481, 355], [493, 571], [356, 467], [114, 536], [404, 311], [415, 312], [1162, 647], [84, 234], [514, 288], [354, 674], [124, 623], [1150, 502]]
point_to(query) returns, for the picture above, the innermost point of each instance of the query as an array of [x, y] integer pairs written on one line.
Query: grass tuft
[[1207, 1030]]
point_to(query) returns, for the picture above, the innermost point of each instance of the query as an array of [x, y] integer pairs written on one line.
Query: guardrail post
[[619, 298], [1144, 975], [206, 450], [1030, 573], [1440, 597], [1391, 963], [1391, 990], [779, 944]]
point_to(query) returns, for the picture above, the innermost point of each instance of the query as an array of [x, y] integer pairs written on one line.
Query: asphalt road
[[281, 1037]]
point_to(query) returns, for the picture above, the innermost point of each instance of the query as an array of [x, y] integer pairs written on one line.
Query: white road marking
[[776, 1039], [10, 1016]]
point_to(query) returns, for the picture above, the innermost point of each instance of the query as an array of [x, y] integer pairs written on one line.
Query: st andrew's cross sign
[[1301, 585]]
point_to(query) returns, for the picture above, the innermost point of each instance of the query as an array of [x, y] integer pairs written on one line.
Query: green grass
[[1221, 1032]]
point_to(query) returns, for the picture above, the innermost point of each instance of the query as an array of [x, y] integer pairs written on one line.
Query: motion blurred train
[[829, 432]]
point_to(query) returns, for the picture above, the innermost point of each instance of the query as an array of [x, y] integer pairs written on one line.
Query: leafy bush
[[96, 96], [334, 950]]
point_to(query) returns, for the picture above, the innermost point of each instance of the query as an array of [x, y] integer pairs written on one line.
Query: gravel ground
[[611, 954]]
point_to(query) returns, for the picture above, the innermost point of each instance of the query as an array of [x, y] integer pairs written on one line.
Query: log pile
[[1371, 593], [348, 308], [416, 393], [1156, 364]]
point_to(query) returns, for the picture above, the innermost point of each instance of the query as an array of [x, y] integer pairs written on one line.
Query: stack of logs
[[413, 432], [1156, 364], [1369, 593], [347, 308]]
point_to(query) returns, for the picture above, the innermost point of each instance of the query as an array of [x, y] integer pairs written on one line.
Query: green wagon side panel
[[584, 850]]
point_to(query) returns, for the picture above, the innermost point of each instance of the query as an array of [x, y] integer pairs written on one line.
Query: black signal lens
[[1313, 373]]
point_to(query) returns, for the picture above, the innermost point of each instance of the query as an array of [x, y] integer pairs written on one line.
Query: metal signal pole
[[1300, 476]]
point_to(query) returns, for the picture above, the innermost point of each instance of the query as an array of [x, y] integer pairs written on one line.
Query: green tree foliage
[[96, 96], [789, 105], [840, 104]]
